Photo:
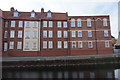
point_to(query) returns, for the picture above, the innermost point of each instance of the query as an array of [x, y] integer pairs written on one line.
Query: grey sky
[[73, 7]]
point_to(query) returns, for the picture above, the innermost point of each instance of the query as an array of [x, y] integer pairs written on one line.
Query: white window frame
[[59, 44], [44, 34], [19, 34], [72, 22], [50, 44], [89, 33], [89, 22], [80, 44], [44, 23], [79, 33], [73, 33], [32, 14], [12, 23], [19, 45], [59, 24], [27, 24], [65, 24], [34, 46], [5, 34], [106, 34], [35, 24], [15, 14], [79, 24], [65, 34], [20, 24], [73, 45], [12, 34], [44, 44], [107, 44], [105, 23], [65, 44], [50, 34], [59, 34], [26, 45], [11, 46], [50, 24], [91, 44], [5, 46]]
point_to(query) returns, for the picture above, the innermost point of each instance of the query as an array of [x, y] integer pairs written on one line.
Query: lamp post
[[95, 35]]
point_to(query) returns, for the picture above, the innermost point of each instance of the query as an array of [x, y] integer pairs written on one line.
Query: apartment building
[[52, 33]]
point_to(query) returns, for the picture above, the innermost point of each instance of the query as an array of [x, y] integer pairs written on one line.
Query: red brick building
[[51, 33]]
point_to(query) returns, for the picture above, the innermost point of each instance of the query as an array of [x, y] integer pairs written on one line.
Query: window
[[11, 45], [90, 44], [33, 14], [6, 23], [105, 33], [92, 75], [72, 22], [81, 75], [49, 15], [27, 34], [44, 23], [50, 23], [19, 45], [19, 34], [73, 33], [59, 24], [5, 46], [35, 24], [50, 34], [59, 34], [12, 23], [50, 44], [15, 14], [27, 23], [65, 44], [5, 34], [89, 22], [79, 23], [89, 33], [34, 34], [65, 24], [59, 44], [80, 45], [65, 34], [107, 44], [12, 34], [79, 33], [110, 75], [105, 22], [34, 45], [44, 34], [20, 24], [44, 44], [27, 45], [73, 44]]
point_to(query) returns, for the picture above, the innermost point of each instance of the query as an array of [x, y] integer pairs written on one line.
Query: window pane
[[89, 22], [35, 34], [65, 24], [105, 22], [5, 34], [50, 34], [35, 24], [11, 45], [5, 46], [72, 23], [44, 44], [73, 33], [6, 23], [65, 44], [79, 33], [12, 23], [90, 44], [59, 24], [107, 44], [27, 45], [20, 24], [27, 23], [27, 34], [19, 34], [19, 45], [44, 34], [12, 34], [65, 34], [80, 44], [59, 44], [59, 34], [44, 23], [34, 45], [50, 44], [105, 33], [50, 24], [79, 23], [89, 33], [73, 44]]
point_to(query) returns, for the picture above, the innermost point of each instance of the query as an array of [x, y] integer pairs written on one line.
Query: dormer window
[[49, 15], [15, 14], [32, 14]]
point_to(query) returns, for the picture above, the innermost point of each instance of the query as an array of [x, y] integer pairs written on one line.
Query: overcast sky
[[73, 7]]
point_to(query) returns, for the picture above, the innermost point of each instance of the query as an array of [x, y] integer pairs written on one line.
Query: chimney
[[12, 9], [42, 9]]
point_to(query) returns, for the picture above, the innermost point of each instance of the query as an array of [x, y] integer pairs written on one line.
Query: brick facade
[[98, 39]]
